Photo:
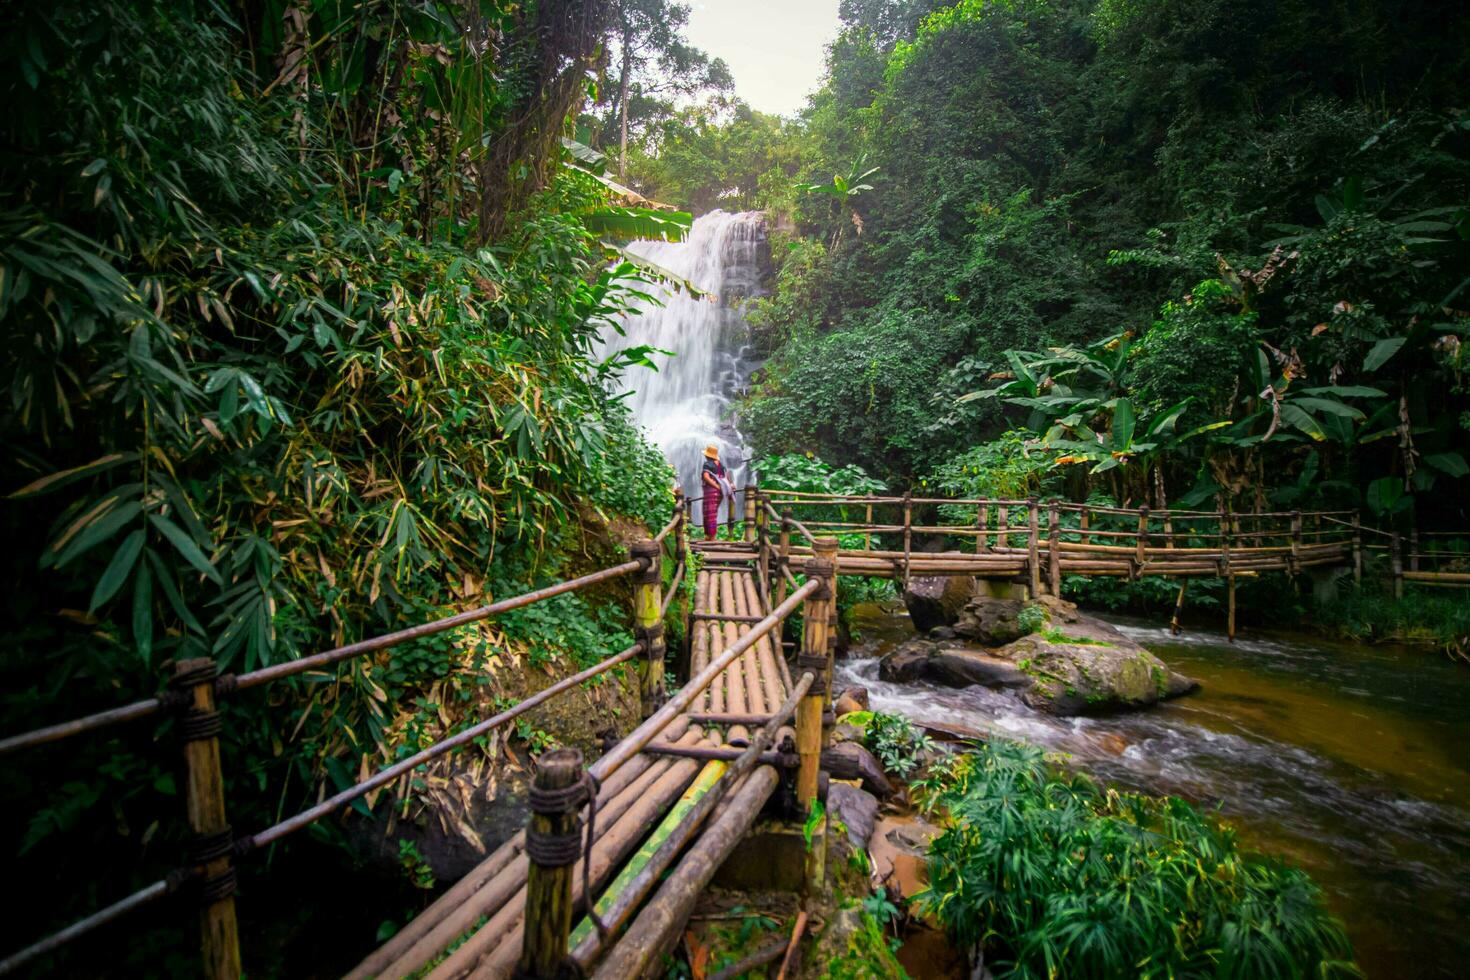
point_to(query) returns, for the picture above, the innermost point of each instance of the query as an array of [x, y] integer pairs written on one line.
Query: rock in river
[[1074, 665], [935, 601]]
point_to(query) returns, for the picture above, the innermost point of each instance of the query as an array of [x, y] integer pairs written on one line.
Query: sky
[[775, 48]]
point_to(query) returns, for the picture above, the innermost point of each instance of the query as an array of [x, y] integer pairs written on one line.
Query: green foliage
[[412, 861], [1201, 276], [292, 361], [1371, 613], [1031, 618], [808, 474], [898, 743], [1013, 466], [1053, 872]]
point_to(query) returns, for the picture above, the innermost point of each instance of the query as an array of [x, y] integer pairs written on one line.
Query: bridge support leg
[[752, 498], [648, 627], [200, 727], [553, 844], [815, 659], [1033, 550]]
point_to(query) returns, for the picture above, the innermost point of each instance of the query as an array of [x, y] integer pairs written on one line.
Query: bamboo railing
[[1036, 543], [208, 867]]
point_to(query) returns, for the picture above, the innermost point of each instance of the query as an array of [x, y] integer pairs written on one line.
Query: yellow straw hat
[[711, 452]]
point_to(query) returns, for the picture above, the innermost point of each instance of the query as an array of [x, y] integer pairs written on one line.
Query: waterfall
[[685, 405]]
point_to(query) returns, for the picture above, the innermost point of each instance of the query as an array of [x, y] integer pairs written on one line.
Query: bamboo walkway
[[645, 826], [482, 916]]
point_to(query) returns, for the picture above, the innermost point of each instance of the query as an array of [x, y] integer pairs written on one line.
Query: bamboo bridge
[[616, 852]]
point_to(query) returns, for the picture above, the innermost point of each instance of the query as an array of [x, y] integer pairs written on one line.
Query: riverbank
[[1351, 761]]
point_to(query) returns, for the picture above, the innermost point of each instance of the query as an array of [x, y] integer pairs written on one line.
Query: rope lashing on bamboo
[[557, 850], [203, 848], [560, 850]]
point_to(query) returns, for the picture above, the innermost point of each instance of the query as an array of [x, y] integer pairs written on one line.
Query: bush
[[896, 741], [1056, 874]]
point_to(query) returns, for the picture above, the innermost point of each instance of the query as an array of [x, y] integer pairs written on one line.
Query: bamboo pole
[[751, 497], [785, 553], [868, 535], [908, 534], [648, 625], [1357, 550], [674, 833], [218, 930], [1396, 566], [1141, 544], [549, 879], [1033, 553], [493, 948], [763, 552], [1225, 533], [1054, 548], [814, 659], [1178, 607], [659, 924], [982, 524], [1002, 519]]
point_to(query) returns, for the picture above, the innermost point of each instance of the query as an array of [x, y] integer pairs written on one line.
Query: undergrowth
[[1055, 874]]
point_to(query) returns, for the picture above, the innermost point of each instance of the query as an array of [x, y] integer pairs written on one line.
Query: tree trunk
[[623, 81]]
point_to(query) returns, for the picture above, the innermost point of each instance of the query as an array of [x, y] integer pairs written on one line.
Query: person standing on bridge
[[712, 476]]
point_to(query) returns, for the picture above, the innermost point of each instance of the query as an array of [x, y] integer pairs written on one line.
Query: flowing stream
[[686, 404], [1350, 761]]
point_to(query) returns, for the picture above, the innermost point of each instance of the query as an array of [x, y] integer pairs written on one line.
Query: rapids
[[1350, 761]]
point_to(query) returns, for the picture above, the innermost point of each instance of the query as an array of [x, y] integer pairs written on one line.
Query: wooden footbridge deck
[[644, 828]]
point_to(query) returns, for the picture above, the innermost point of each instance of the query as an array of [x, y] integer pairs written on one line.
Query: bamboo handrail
[[385, 776], [680, 702], [81, 927], [626, 898], [673, 591], [151, 706]]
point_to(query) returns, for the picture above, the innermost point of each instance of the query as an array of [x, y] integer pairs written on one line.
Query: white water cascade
[[685, 405]]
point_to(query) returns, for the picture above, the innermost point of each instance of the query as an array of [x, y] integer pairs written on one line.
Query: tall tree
[[656, 65]]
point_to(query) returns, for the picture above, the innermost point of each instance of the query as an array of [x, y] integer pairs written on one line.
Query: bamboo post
[[1357, 550], [1414, 549], [908, 533], [1053, 547], [785, 554], [1002, 517], [1178, 608], [982, 524], [1168, 529], [751, 497], [1396, 560], [763, 545], [1229, 576], [1033, 546], [868, 523], [814, 658], [200, 726], [553, 844], [1141, 545], [1083, 523], [1296, 538], [648, 627], [681, 543]]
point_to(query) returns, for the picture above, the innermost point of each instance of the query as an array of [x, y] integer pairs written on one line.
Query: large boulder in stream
[[1074, 664], [935, 601]]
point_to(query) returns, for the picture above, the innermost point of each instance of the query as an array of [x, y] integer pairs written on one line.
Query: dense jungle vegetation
[[1196, 253], [298, 303]]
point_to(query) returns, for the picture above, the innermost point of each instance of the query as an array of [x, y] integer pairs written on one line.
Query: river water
[[1351, 761]]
